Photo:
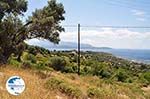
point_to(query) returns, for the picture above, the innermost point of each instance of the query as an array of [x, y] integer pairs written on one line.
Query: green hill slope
[[57, 85], [53, 75]]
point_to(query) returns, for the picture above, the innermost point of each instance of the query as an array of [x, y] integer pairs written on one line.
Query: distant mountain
[[102, 48], [73, 45], [62, 45]]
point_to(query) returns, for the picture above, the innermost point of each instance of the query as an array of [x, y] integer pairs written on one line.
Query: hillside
[[62, 45], [56, 85], [40, 43], [53, 75]]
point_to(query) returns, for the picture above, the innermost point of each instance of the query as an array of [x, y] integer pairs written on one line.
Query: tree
[[43, 24], [12, 6]]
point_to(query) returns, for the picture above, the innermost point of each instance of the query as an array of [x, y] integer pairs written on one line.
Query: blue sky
[[105, 12], [101, 12]]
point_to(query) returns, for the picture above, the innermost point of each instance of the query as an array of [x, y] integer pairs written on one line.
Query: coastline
[[134, 55]]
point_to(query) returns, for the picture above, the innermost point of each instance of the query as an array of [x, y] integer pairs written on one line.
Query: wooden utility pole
[[78, 49]]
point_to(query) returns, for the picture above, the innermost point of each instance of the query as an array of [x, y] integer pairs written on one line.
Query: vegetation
[[64, 87], [102, 75], [43, 24], [53, 84], [110, 69], [58, 63]]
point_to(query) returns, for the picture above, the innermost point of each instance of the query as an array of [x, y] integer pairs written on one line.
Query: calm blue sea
[[130, 54]]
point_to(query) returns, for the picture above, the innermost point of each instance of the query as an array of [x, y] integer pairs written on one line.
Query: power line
[[128, 5], [104, 26], [132, 3], [123, 4], [114, 3], [70, 25]]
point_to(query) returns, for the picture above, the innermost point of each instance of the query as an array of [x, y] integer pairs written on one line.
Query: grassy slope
[[36, 86]]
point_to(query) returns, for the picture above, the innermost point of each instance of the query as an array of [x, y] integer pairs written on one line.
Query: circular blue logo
[[15, 85]]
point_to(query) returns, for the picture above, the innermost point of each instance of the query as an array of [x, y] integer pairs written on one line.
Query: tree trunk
[[19, 57], [3, 59]]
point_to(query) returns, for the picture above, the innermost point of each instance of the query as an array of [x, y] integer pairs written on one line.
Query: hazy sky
[[105, 12]]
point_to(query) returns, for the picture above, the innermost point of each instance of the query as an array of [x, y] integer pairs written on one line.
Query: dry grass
[[35, 86]]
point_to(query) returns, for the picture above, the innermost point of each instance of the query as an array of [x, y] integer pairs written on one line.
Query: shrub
[[105, 74], [40, 57], [43, 74], [121, 75], [145, 78], [101, 69], [70, 90], [26, 64], [94, 92], [58, 63], [32, 50], [75, 58], [97, 68], [32, 58], [40, 65], [14, 62], [45, 65], [88, 62], [86, 70], [29, 57], [64, 87], [53, 83], [72, 68], [130, 80]]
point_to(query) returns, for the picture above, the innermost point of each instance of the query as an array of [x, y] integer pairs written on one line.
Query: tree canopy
[[12, 6], [43, 23]]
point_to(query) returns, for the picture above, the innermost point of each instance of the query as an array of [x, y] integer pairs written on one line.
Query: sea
[[136, 55]]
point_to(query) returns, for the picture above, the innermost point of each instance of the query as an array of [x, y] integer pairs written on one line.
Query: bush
[[105, 74], [101, 69], [63, 87], [53, 83], [40, 65], [86, 70], [87, 62], [97, 68], [130, 80], [40, 57], [70, 90], [58, 63], [75, 59], [29, 57], [43, 74], [121, 75], [94, 92], [32, 50], [32, 58], [72, 68], [145, 78], [14, 62], [26, 64]]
